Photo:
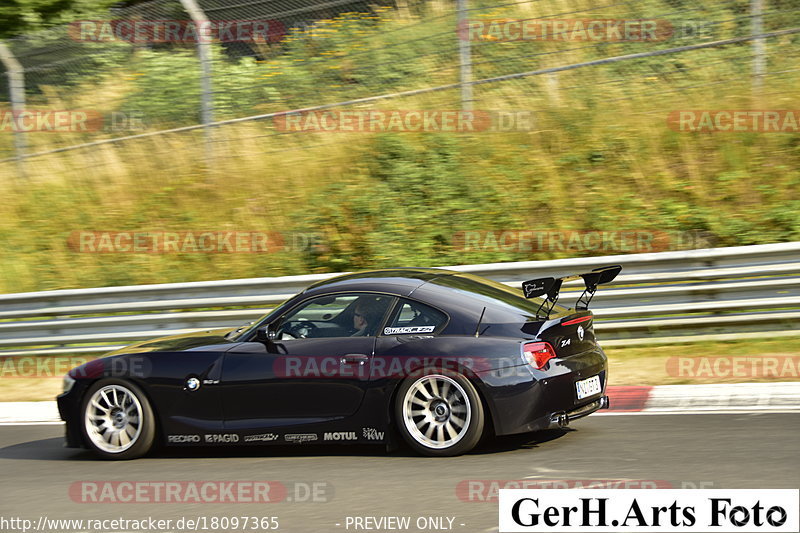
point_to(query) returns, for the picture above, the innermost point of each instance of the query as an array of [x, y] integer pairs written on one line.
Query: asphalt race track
[[702, 451]]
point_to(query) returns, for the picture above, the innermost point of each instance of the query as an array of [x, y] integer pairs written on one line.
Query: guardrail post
[[16, 90], [204, 54]]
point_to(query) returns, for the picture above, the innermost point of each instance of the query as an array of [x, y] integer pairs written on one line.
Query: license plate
[[588, 387]]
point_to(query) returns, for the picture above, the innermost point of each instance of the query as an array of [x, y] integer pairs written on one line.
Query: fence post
[[465, 55], [204, 54], [16, 90], [759, 45]]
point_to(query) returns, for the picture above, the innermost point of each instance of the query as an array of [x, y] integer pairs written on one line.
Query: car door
[[315, 369]]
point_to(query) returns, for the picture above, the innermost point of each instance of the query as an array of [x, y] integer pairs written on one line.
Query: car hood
[[178, 343]]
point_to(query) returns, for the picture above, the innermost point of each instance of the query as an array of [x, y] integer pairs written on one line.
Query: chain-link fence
[[179, 64], [424, 132]]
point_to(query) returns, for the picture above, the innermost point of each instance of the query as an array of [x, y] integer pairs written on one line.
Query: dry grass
[[29, 389], [648, 365]]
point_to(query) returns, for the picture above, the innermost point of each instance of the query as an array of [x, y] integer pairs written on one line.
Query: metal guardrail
[[667, 297]]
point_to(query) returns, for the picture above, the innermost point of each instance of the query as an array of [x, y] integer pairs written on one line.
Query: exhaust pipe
[[605, 402], [560, 419]]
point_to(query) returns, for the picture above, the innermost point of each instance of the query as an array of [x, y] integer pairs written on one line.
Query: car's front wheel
[[439, 414], [118, 422]]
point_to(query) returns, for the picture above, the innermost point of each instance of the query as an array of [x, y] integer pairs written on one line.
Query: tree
[[21, 16]]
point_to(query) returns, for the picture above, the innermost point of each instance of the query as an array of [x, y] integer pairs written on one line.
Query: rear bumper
[[524, 399], [562, 420], [557, 419]]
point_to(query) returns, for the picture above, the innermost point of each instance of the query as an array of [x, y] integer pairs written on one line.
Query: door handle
[[354, 358]]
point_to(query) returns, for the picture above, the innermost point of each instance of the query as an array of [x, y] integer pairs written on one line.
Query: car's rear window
[[419, 315], [493, 293]]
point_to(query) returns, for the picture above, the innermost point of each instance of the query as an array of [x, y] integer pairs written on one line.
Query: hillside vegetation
[[599, 157]]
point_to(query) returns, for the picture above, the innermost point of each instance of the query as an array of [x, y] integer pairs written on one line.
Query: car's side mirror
[[266, 334]]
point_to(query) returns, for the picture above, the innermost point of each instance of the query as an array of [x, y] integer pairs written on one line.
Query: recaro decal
[[183, 438]]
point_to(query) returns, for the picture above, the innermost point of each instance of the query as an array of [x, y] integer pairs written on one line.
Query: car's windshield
[[242, 331]]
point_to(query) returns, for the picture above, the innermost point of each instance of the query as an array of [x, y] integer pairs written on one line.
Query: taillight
[[537, 354]]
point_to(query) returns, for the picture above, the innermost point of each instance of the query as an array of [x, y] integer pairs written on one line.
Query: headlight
[[68, 383]]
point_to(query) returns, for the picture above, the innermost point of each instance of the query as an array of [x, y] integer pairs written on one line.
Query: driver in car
[[368, 313]]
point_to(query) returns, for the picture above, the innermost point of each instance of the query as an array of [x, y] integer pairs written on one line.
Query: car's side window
[[338, 315], [415, 318]]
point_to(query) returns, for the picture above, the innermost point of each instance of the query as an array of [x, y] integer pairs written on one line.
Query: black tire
[[98, 426], [440, 443]]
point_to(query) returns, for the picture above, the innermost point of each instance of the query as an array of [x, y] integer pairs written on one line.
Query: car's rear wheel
[[440, 414], [118, 422]]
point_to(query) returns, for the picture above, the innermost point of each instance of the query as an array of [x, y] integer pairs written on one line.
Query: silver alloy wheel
[[436, 411], [113, 418]]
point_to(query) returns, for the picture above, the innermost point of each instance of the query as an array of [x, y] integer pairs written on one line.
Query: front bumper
[[68, 409]]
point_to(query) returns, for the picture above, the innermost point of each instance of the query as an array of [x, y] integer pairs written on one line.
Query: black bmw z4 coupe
[[434, 358]]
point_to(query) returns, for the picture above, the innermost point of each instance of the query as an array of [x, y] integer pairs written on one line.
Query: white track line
[[750, 411]]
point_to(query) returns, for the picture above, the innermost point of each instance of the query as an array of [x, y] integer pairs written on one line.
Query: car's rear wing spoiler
[[550, 287]]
